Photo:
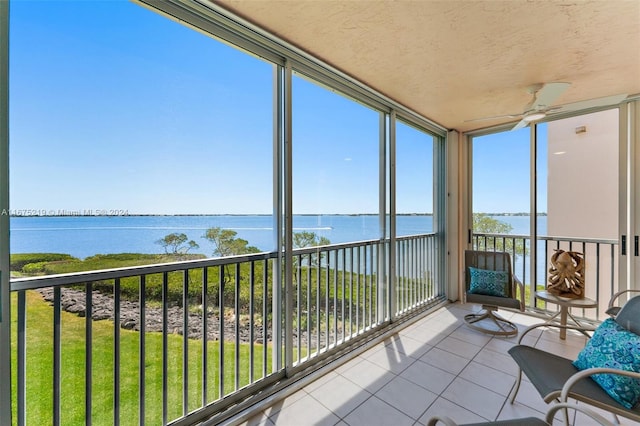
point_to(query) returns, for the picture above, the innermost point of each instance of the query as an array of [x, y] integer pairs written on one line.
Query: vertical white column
[[5, 292], [288, 217], [452, 193], [392, 213], [382, 211]]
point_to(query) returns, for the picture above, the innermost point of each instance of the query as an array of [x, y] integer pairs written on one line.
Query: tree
[[176, 243], [485, 224], [228, 245], [308, 239]]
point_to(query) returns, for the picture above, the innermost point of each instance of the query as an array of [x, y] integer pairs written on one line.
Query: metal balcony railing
[[601, 260], [174, 343]]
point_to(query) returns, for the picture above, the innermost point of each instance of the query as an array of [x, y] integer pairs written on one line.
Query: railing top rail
[[415, 237], [329, 247], [30, 283], [549, 238]]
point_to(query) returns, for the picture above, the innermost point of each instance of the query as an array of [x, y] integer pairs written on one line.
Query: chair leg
[[504, 326], [516, 386]]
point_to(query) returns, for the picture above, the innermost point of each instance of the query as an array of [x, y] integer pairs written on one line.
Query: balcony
[[435, 366], [237, 357]]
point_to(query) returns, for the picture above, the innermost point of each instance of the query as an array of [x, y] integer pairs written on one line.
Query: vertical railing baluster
[[22, 358], [185, 342], [88, 352], [351, 292], [237, 327], [358, 259], [265, 287], [116, 352], [326, 298], [142, 296], [221, 332], [597, 279], [165, 346], [57, 355], [205, 335], [309, 307], [252, 286], [344, 294], [318, 322], [335, 297], [370, 273], [299, 306]]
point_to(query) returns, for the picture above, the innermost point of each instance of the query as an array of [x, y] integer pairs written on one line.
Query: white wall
[[582, 183]]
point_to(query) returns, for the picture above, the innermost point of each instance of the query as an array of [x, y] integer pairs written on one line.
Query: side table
[[564, 303]]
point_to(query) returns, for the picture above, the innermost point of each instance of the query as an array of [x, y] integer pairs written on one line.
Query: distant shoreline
[[36, 213]]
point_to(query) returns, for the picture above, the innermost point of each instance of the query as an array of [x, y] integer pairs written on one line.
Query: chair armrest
[[620, 293], [549, 324], [517, 284], [589, 372], [433, 421], [581, 408]]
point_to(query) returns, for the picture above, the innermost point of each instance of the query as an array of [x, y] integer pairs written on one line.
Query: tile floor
[[436, 366]]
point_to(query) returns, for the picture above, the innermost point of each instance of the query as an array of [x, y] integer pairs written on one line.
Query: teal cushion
[[613, 347], [487, 282]]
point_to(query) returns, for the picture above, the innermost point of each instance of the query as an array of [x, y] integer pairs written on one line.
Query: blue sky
[[114, 107]]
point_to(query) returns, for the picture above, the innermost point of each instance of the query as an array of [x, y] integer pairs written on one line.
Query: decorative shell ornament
[[566, 275]]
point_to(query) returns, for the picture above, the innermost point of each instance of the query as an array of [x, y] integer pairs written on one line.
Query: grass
[[39, 370]]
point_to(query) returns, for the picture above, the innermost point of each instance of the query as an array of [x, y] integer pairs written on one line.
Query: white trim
[[5, 291]]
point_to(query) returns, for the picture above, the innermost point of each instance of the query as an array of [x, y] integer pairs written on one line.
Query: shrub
[[19, 260]]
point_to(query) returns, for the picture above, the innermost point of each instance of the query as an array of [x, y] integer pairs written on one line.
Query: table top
[[584, 302]]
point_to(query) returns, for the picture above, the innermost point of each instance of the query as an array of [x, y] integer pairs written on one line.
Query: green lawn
[[39, 374]]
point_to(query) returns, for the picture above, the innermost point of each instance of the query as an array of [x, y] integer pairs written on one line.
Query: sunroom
[[328, 164]]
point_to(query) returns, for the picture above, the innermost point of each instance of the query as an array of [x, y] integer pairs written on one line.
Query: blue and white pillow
[[487, 282], [613, 347]]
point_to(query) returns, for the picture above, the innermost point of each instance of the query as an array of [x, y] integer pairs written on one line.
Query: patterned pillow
[[613, 347], [490, 283]]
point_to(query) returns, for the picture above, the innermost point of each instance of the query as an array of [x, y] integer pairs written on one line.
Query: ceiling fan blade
[[520, 125], [547, 94], [592, 103]]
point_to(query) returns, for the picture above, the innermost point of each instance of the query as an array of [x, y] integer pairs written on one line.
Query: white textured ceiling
[[457, 60]]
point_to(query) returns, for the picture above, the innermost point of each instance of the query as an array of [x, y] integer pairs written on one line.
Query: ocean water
[[83, 236]]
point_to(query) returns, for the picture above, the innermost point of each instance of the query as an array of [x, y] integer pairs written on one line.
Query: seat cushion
[[614, 347], [488, 282], [549, 372], [505, 302]]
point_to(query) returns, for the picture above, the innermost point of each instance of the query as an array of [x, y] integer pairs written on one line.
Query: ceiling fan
[[543, 97]]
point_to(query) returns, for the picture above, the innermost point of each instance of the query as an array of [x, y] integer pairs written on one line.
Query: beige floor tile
[[459, 347], [305, 411], [445, 360], [490, 378], [407, 397], [500, 361], [409, 346], [340, 395], [476, 398], [375, 412], [390, 359], [260, 419], [518, 411], [320, 381], [436, 366], [469, 335], [286, 402], [444, 407], [428, 376], [529, 396], [368, 376]]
